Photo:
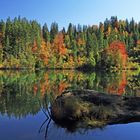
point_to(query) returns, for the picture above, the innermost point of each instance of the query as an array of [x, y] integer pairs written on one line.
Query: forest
[[113, 44]]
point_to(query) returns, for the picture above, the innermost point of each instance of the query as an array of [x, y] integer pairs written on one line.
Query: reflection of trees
[[118, 83], [16, 96], [118, 86], [54, 83], [47, 113], [134, 83], [20, 91]]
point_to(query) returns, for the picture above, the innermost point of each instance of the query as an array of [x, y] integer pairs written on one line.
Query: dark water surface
[[25, 97]]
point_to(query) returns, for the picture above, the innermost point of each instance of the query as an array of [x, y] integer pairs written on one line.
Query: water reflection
[[23, 93]]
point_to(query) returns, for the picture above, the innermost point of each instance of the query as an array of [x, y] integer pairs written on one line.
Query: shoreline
[[78, 69]]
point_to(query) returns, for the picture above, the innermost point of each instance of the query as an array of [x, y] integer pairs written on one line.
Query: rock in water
[[88, 108]]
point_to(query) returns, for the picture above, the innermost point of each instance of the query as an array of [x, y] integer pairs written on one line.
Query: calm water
[[24, 97]]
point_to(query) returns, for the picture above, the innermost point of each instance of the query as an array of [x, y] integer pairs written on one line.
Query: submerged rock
[[88, 108]]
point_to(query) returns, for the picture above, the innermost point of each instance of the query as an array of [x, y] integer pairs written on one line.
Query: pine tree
[[45, 32], [53, 31]]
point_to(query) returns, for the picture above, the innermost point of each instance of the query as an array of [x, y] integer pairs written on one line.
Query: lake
[[26, 98]]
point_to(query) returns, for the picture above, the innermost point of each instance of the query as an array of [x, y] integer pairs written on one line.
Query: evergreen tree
[[53, 31], [45, 32]]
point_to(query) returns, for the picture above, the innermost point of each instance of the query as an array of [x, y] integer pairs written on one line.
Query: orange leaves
[[138, 42], [34, 49], [47, 85], [62, 50], [118, 88], [62, 86], [44, 52], [116, 49], [59, 46], [44, 58], [118, 46]]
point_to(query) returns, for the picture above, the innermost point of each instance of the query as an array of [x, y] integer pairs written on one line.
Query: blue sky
[[87, 12]]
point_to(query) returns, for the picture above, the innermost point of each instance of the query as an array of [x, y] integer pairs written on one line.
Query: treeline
[[114, 43]]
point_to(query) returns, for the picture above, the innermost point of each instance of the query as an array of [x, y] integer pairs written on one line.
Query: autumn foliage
[[117, 54], [110, 45], [119, 47], [59, 46], [119, 86]]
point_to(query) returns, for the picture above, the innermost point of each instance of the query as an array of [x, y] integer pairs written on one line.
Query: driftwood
[[87, 108]]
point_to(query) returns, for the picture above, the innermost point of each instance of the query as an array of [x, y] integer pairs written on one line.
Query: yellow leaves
[[109, 30], [44, 52], [102, 28], [1, 65], [81, 60], [71, 61], [116, 30], [80, 42], [125, 33], [47, 52]]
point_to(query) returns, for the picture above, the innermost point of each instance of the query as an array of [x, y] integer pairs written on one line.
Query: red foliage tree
[[118, 87], [118, 49]]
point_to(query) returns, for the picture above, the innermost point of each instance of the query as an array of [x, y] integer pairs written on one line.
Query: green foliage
[[53, 31], [30, 45], [46, 34], [18, 39]]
